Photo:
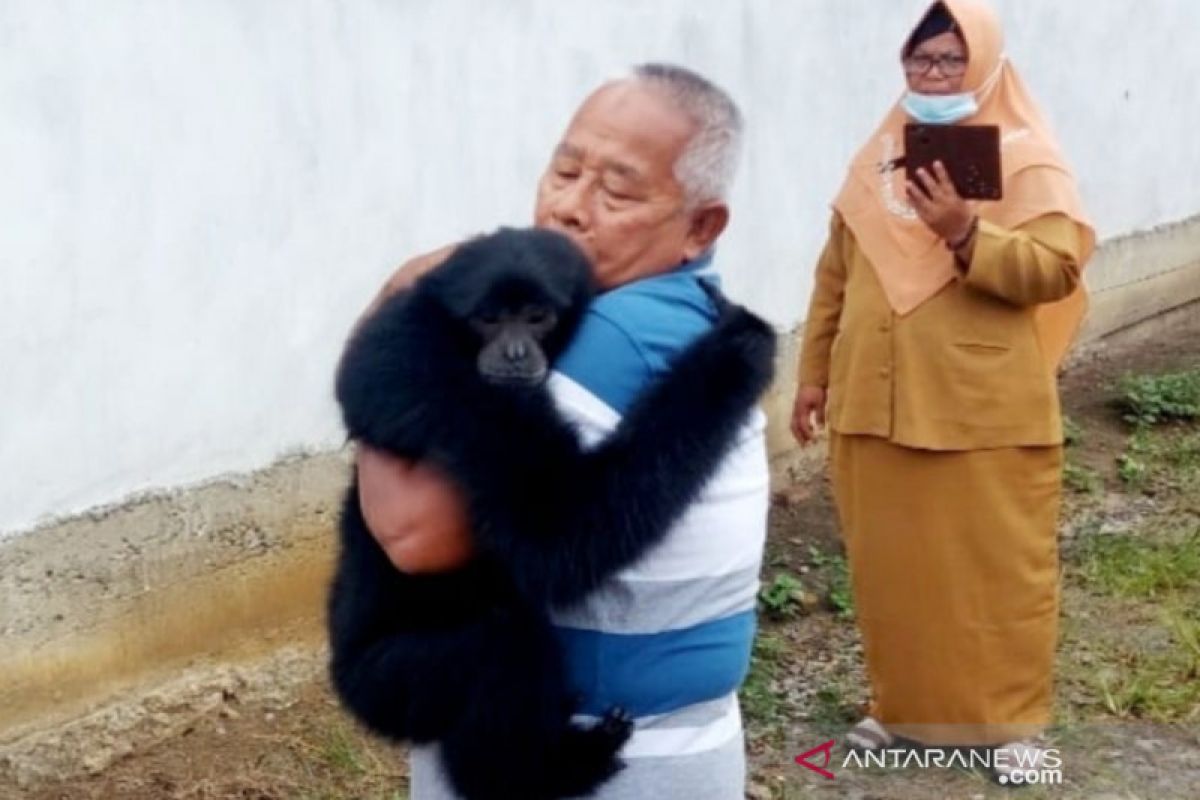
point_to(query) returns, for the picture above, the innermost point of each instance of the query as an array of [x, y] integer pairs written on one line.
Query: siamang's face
[[611, 187], [517, 295], [514, 343]]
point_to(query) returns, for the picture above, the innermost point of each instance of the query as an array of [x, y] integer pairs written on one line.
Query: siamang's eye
[[489, 319], [538, 316]]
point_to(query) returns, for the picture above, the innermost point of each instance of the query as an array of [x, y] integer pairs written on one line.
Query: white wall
[[197, 196]]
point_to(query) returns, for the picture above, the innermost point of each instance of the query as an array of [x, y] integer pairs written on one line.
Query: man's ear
[[708, 221]]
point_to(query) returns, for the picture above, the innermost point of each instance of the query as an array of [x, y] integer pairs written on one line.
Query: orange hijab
[[911, 261]]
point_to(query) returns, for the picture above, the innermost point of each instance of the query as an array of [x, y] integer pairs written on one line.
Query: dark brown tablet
[[971, 154]]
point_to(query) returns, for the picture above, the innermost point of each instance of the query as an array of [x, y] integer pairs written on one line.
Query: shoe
[[869, 735]]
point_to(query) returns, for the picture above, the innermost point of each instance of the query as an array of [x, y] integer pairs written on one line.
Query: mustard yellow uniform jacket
[[962, 371]]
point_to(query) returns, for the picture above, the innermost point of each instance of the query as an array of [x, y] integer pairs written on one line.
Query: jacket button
[[884, 372]]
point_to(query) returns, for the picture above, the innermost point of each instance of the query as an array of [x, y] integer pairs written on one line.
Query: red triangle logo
[[827, 749]]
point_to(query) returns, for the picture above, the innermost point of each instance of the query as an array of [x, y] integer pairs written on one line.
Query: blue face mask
[[947, 109], [940, 109]]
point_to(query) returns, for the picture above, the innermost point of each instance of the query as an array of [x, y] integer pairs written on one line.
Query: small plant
[[1132, 470], [1148, 400], [817, 557], [841, 596], [1072, 433], [833, 707], [1080, 479], [783, 597], [838, 596]]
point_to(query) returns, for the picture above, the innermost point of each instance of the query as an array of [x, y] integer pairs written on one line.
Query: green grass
[[1146, 670], [761, 698], [1143, 647], [342, 754], [1158, 686], [1136, 566], [1179, 452]]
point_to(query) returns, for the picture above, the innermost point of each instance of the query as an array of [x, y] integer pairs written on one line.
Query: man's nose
[[570, 206]]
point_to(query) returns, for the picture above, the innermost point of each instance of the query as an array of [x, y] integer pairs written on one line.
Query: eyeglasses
[[950, 66]]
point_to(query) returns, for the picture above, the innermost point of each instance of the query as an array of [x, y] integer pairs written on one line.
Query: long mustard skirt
[[954, 564]]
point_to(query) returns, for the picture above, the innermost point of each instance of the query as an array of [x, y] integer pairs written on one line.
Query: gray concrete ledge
[[92, 606]]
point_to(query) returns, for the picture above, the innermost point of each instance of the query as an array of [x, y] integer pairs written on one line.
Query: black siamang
[[452, 371]]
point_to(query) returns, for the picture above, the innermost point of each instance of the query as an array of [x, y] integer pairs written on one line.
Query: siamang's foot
[[617, 725], [589, 755]]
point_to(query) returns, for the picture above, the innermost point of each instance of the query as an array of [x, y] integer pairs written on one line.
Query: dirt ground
[[1129, 662]]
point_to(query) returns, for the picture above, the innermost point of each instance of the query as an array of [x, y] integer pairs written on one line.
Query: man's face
[[611, 187]]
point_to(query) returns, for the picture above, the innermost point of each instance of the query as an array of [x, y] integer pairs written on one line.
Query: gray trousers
[[711, 775]]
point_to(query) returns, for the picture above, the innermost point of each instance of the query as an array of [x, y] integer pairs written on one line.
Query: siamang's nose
[[515, 350]]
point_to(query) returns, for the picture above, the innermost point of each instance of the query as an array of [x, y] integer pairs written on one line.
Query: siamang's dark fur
[[468, 658]]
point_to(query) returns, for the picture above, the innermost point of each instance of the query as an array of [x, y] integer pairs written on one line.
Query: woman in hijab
[[933, 336]]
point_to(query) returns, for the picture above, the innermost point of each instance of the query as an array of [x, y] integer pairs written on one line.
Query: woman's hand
[[415, 512], [810, 403], [937, 203]]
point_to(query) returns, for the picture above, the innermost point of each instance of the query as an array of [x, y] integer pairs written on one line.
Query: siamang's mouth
[[516, 379]]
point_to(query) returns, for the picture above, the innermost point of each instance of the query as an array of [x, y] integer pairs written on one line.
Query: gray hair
[[708, 164]]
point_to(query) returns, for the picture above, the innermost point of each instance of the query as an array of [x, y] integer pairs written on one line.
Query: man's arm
[[415, 512]]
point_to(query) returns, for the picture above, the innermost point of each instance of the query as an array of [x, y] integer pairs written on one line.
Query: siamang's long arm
[[562, 520], [617, 500]]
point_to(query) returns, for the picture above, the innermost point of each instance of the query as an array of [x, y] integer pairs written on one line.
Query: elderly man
[[639, 181]]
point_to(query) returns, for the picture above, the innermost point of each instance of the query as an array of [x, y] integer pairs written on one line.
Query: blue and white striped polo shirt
[[668, 638]]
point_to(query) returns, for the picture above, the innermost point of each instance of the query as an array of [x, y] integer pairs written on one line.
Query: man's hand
[[810, 403], [415, 513], [937, 203], [406, 276]]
